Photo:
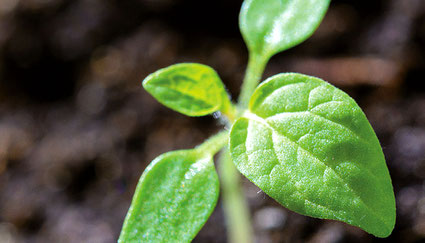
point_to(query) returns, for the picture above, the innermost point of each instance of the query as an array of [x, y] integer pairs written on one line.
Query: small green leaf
[[309, 146], [272, 26], [189, 88], [174, 198]]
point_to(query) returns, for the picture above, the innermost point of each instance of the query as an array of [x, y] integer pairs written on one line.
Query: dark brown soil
[[77, 129]]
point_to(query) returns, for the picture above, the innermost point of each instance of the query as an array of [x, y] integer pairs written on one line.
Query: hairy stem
[[254, 72], [215, 143], [228, 109], [235, 206]]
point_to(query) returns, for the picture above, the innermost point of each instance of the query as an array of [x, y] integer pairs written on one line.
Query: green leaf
[[189, 88], [309, 146], [174, 198], [272, 26]]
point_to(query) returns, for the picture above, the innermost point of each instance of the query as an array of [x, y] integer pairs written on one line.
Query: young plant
[[301, 140]]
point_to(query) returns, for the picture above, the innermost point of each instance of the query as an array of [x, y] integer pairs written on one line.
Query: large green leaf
[[309, 146], [174, 198], [189, 88], [272, 26]]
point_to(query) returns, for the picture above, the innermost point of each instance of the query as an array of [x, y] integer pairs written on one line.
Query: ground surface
[[77, 129]]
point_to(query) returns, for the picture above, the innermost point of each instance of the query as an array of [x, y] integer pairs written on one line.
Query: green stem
[[235, 206], [229, 110], [214, 144], [254, 72]]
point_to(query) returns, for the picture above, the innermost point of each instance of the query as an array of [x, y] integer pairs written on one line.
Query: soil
[[77, 129]]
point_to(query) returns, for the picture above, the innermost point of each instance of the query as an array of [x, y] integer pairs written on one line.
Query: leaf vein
[[262, 121]]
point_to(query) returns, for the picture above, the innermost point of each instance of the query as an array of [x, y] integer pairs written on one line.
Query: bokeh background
[[77, 129]]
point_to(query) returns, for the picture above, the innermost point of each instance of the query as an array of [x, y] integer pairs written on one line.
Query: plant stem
[[235, 206], [229, 111], [215, 143], [254, 72]]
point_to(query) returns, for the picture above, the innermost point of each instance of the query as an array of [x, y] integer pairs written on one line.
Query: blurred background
[[77, 129]]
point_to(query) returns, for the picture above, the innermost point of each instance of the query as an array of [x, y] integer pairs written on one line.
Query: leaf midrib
[[165, 86], [252, 116], [352, 133], [349, 130], [209, 106]]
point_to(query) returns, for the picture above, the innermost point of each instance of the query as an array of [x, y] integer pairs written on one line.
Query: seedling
[[301, 140]]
